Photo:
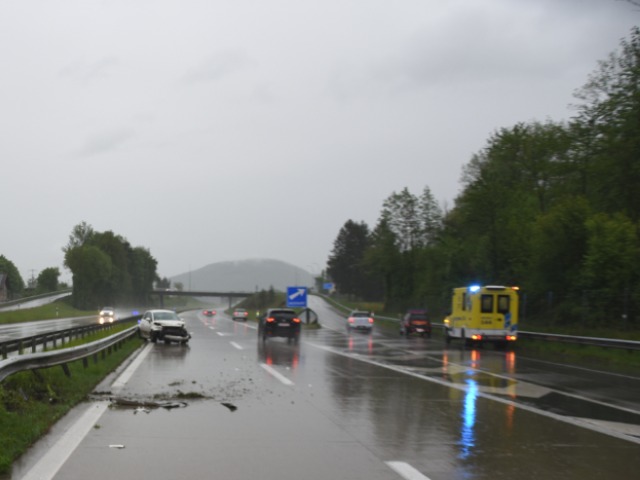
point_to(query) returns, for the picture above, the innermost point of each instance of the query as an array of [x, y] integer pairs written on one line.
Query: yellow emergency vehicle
[[483, 314]]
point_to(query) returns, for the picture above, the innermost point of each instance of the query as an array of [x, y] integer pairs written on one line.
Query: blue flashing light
[[474, 288]]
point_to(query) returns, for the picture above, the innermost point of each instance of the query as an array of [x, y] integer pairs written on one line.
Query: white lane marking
[[59, 453], [406, 471], [580, 422], [50, 463], [125, 376], [276, 374], [239, 347]]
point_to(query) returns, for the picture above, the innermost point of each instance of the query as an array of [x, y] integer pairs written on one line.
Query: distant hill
[[245, 276]]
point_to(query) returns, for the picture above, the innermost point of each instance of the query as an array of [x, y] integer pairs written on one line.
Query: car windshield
[[165, 316], [418, 316]]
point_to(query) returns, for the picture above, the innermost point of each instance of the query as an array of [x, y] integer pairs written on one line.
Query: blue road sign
[[296, 297]]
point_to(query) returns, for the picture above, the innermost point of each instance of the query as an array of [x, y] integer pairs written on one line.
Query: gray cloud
[[105, 142], [88, 72], [217, 66]]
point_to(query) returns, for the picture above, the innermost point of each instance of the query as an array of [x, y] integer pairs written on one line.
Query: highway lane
[[337, 406]]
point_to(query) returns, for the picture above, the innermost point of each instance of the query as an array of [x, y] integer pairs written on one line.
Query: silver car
[[359, 320], [163, 325]]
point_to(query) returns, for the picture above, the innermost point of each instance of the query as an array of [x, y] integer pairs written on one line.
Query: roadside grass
[[30, 403], [58, 309], [627, 361]]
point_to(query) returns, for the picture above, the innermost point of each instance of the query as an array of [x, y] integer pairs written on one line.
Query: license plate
[[283, 324], [419, 330]]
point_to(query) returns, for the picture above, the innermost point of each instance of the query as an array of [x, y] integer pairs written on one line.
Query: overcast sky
[[218, 130]]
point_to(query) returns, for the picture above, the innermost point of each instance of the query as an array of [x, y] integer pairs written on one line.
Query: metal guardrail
[[63, 356], [44, 339]]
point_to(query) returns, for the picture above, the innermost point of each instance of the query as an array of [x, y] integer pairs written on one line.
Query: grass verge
[[31, 403], [59, 309]]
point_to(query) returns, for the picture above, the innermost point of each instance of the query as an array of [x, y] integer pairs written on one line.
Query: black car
[[416, 321], [279, 322]]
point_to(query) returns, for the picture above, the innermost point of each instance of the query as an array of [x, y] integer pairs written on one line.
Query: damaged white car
[[163, 325]]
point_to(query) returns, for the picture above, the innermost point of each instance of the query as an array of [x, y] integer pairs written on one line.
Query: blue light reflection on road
[[467, 435]]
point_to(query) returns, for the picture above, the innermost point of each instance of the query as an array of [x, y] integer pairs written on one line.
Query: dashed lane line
[[276, 374], [406, 471]]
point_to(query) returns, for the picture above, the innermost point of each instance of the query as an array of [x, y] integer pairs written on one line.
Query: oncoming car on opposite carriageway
[[163, 325]]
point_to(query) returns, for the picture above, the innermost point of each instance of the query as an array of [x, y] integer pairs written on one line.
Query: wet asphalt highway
[[346, 406]]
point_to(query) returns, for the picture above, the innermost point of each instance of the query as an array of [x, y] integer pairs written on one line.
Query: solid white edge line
[[47, 467], [406, 471], [235, 345], [276, 374], [125, 376], [52, 461]]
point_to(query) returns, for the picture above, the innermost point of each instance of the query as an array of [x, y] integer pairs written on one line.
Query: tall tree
[[345, 265], [47, 280], [400, 211], [610, 110], [15, 283]]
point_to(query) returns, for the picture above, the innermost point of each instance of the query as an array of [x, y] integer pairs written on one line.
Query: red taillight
[[511, 338], [476, 337], [370, 320], [271, 320], [351, 320], [296, 320]]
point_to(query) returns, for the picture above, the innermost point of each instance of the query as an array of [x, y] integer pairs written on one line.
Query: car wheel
[[152, 337]]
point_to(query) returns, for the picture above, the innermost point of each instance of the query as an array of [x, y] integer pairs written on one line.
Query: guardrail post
[[34, 344], [66, 370]]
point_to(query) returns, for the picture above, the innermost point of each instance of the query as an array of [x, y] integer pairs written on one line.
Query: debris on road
[[144, 405]]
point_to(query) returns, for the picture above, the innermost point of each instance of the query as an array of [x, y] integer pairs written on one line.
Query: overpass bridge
[[199, 293]]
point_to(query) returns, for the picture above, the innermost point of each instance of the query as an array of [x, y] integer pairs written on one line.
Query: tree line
[[105, 268], [553, 207], [46, 281]]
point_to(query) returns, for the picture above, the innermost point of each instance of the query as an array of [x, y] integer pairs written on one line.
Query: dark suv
[[415, 321], [279, 322]]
